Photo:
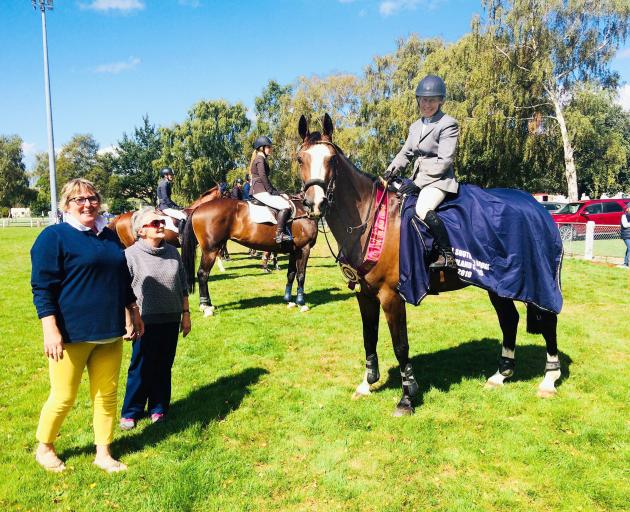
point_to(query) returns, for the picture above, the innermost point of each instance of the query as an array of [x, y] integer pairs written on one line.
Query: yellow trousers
[[103, 365]]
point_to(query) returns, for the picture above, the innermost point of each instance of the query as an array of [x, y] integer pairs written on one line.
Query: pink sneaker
[[158, 417], [127, 423]]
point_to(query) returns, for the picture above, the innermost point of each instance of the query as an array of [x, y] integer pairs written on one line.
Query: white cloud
[[30, 150], [389, 7], [115, 68], [624, 97], [109, 150], [114, 5]]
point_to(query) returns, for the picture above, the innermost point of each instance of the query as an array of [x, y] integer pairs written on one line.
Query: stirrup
[[283, 237], [446, 259]]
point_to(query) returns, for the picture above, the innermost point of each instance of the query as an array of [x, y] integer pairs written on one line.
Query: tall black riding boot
[[281, 236], [446, 258], [180, 235]]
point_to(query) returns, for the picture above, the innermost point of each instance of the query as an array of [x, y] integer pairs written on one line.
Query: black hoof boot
[[506, 366], [287, 293], [409, 383], [371, 366], [404, 407], [299, 299]]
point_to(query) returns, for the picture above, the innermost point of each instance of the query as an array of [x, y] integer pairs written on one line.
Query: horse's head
[[317, 158]]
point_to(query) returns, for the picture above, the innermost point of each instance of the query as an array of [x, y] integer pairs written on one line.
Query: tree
[[136, 163], [551, 45], [206, 146], [13, 176]]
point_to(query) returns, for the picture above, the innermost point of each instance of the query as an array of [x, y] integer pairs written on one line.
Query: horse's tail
[[189, 252]]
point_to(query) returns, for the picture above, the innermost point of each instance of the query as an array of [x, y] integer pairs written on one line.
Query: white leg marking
[[291, 304], [304, 309], [547, 387], [208, 311], [363, 389], [220, 263], [506, 352], [496, 380]]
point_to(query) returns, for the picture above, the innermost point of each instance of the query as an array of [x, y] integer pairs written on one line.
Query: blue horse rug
[[503, 241]]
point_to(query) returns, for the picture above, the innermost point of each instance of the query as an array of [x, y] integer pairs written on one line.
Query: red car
[[572, 218]]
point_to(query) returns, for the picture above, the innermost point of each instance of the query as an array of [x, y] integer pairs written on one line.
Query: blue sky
[[112, 61]]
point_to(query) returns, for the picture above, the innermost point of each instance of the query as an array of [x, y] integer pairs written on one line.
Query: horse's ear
[[327, 124], [303, 127]]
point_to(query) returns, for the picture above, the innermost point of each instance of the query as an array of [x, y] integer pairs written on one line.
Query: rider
[[237, 189], [431, 141], [165, 203], [264, 191]]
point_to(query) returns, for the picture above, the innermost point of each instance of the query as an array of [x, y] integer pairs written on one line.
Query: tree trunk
[[569, 162]]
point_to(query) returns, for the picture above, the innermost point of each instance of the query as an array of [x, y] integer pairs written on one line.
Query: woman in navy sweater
[[81, 287]]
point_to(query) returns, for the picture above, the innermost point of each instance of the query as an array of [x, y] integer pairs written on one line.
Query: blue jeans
[[149, 374], [626, 260]]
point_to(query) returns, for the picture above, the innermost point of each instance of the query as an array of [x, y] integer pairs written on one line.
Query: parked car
[[552, 206], [572, 218]]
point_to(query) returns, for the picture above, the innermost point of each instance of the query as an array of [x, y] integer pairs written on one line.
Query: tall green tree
[[136, 164], [13, 176], [552, 45], [206, 146]]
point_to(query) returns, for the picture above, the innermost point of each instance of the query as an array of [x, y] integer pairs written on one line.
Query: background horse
[[215, 222], [121, 224], [344, 195]]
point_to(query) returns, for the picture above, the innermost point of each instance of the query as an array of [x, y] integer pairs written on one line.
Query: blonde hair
[[73, 187], [254, 155]]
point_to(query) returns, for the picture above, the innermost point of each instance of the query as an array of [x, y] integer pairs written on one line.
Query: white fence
[[593, 241], [29, 222]]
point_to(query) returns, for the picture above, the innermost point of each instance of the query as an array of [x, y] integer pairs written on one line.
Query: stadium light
[[45, 5]]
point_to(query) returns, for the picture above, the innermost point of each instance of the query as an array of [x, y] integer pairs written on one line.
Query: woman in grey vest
[[432, 141]]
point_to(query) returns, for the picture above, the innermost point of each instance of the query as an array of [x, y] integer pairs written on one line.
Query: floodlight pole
[[43, 5]]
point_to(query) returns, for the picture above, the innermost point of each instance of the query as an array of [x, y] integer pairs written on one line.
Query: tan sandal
[[111, 465], [50, 462]]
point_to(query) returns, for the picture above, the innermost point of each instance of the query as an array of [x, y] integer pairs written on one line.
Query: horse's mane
[[209, 191]]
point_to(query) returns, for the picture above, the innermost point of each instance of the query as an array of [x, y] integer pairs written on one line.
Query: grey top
[[158, 280], [434, 150]]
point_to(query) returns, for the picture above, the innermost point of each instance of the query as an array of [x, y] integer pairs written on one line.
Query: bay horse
[[121, 224], [215, 222], [337, 190]]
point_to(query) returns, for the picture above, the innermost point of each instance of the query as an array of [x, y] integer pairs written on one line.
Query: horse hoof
[[304, 309], [357, 395], [208, 311], [266, 271], [491, 384], [291, 304], [546, 393], [404, 410]]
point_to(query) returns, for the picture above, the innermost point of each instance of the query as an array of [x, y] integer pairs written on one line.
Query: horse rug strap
[[502, 239], [265, 214], [375, 243]]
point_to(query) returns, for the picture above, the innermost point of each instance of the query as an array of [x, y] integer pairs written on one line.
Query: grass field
[[262, 417]]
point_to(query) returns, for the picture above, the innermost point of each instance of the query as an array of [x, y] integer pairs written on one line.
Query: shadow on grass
[[313, 299], [445, 368], [210, 403]]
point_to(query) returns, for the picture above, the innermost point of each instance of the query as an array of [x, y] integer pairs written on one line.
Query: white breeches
[[178, 214], [428, 199], [277, 202]]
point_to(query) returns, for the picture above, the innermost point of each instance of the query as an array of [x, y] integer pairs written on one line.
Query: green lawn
[[262, 416]]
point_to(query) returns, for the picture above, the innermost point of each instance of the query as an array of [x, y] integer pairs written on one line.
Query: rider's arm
[[406, 153], [261, 171]]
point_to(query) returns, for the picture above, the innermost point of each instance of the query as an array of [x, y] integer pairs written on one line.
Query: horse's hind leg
[[508, 320], [205, 266], [546, 323], [370, 311]]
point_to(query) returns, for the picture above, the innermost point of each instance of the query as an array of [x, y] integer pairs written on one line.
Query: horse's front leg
[[396, 316], [302, 261], [508, 320], [291, 273], [205, 266], [369, 307]]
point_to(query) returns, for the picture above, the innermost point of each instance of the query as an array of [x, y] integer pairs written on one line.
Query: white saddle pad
[[170, 224], [262, 214]]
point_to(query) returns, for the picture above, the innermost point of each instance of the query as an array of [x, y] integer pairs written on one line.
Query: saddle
[[260, 213], [172, 223]]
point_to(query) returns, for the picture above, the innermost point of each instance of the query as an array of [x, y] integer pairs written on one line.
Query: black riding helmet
[[262, 141], [431, 85], [166, 171]]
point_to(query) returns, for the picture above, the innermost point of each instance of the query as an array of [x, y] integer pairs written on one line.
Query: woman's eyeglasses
[[84, 200], [155, 223]]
